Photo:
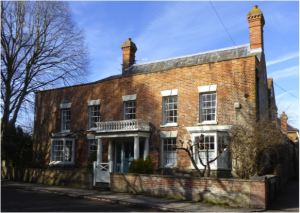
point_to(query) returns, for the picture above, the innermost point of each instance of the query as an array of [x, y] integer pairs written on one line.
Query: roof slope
[[185, 61], [194, 59], [291, 129]]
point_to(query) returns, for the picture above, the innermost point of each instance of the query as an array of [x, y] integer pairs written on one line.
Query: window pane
[[214, 97], [130, 110], [208, 107], [57, 150], [66, 119], [169, 153], [68, 151], [93, 146], [170, 110]]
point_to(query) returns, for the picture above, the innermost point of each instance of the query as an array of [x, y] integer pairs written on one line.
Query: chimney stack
[[256, 22], [283, 122], [129, 49]]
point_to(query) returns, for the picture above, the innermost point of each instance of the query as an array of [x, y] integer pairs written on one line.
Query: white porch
[[127, 140]]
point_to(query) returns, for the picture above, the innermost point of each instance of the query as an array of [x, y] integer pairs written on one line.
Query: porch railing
[[124, 125]]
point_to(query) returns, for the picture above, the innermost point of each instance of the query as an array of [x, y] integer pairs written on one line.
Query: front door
[[124, 156]]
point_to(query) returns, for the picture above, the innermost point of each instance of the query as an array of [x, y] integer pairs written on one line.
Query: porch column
[[110, 156], [136, 147], [99, 151], [146, 151], [110, 153]]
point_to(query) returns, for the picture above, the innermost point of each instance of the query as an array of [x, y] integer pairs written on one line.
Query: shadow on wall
[[49, 177], [234, 192]]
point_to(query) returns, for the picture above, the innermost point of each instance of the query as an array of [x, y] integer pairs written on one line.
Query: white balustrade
[[125, 125]]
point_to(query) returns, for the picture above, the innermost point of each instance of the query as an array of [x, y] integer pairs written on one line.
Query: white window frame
[[65, 121], [126, 99], [203, 90], [92, 109], [63, 162], [92, 104], [173, 164], [168, 94], [167, 135], [125, 107], [222, 161], [89, 144], [65, 107]]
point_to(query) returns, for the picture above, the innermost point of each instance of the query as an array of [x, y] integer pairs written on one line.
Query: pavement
[[126, 198]]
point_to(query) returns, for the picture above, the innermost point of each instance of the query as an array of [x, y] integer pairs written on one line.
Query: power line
[[286, 91], [235, 45], [222, 23]]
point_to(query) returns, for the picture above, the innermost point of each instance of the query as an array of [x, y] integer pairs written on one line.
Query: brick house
[[291, 132], [150, 106]]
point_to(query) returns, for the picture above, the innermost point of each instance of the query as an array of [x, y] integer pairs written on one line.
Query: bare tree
[[252, 146], [198, 147], [41, 48]]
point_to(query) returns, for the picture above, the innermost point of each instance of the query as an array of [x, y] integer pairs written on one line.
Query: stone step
[[102, 186]]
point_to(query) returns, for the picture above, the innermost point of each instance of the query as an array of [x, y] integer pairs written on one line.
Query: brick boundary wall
[[235, 192], [49, 177]]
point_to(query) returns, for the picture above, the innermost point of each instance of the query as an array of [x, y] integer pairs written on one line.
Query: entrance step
[[102, 186]]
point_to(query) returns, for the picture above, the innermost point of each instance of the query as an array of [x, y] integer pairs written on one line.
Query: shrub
[[141, 166], [149, 165]]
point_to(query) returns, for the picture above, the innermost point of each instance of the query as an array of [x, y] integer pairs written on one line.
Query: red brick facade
[[238, 79]]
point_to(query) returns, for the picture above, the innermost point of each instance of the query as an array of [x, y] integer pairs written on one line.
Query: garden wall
[[234, 192], [49, 177]]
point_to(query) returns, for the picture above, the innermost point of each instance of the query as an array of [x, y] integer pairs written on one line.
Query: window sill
[[169, 125], [92, 129], [207, 122], [64, 131], [171, 166], [214, 167], [53, 163]]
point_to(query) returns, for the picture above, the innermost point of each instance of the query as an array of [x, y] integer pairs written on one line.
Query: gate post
[[94, 173]]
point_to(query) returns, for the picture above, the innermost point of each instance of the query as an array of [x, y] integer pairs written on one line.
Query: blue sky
[[169, 29]]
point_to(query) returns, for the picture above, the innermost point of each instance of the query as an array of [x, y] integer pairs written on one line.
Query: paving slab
[[126, 198]]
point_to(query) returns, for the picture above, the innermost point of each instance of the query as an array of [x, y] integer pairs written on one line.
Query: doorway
[[124, 154]]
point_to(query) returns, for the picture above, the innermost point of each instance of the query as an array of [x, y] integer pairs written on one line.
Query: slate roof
[[194, 59], [291, 129], [185, 61]]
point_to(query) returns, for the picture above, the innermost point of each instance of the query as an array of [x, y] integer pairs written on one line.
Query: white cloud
[[284, 58], [291, 71], [183, 27], [281, 95]]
